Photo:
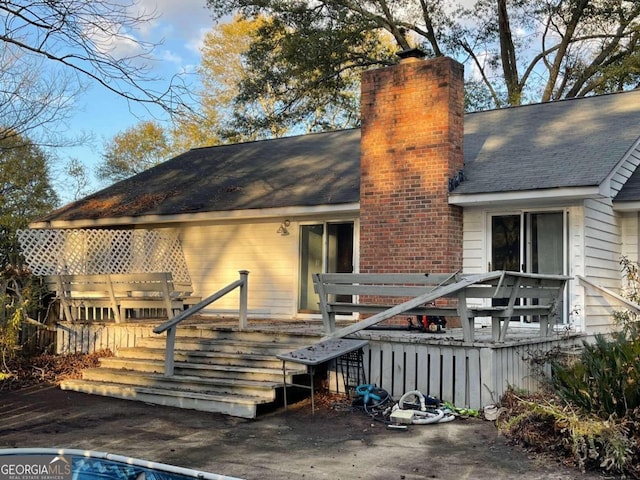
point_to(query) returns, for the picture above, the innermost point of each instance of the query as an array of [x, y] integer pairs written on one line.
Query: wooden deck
[[440, 364]]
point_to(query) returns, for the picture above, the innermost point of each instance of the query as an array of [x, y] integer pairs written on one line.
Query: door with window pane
[[326, 247], [531, 242]]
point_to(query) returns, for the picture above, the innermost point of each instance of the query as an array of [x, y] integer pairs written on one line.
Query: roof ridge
[[560, 100], [262, 140]]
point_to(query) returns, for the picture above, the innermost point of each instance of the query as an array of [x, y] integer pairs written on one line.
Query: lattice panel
[[88, 251]]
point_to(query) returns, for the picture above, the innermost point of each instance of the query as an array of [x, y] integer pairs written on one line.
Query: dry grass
[[543, 425]]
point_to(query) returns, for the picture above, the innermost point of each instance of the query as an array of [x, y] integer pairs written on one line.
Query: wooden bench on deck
[[118, 292], [500, 295]]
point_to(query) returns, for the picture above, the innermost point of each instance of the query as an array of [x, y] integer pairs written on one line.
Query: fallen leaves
[[24, 372]]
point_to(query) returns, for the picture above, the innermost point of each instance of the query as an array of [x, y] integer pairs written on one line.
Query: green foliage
[[592, 412], [605, 380], [26, 192], [628, 320], [519, 50], [314, 88], [19, 293], [133, 151]]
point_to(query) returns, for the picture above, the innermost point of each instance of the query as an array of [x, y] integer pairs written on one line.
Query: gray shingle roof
[[307, 170], [569, 143]]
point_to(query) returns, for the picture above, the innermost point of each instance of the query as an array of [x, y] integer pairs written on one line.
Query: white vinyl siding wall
[[630, 234], [626, 169], [215, 253], [474, 255], [603, 250]]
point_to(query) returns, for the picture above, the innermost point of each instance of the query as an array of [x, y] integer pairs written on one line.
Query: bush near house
[[590, 415], [23, 313], [24, 363]]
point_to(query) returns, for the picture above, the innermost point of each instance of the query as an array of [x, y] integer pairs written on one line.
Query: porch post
[[244, 287], [170, 348]]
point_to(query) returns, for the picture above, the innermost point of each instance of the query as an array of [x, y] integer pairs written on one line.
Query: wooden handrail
[[170, 326], [624, 301]]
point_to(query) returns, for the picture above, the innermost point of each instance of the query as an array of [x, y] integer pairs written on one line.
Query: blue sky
[[180, 26]]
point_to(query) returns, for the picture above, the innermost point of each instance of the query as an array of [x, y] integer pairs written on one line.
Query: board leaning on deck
[[500, 295]]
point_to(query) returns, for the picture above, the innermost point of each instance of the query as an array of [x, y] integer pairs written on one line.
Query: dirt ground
[[293, 444]]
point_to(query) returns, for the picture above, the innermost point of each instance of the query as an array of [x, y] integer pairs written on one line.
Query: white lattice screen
[[89, 251]]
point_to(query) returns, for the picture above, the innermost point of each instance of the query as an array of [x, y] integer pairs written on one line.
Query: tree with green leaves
[[232, 64], [26, 192], [287, 88], [134, 150], [514, 51]]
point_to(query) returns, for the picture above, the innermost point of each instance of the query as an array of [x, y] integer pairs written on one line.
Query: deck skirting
[[96, 336], [470, 376]]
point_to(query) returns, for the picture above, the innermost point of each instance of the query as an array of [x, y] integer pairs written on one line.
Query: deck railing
[[170, 326], [605, 292]]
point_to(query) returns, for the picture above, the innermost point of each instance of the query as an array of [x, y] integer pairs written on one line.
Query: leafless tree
[[51, 50]]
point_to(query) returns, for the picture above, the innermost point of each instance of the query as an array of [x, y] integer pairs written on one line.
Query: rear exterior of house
[[420, 188], [540, 188]]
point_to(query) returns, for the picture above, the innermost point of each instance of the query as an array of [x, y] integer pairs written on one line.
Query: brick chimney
[[411, 145]]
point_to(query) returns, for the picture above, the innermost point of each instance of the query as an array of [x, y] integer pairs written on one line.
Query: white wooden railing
[[605, 292], [170, 326]]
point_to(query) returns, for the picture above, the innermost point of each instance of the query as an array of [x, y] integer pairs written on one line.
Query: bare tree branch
[[66, 45]]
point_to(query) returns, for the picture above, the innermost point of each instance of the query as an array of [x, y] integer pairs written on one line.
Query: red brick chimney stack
[[412, 133]]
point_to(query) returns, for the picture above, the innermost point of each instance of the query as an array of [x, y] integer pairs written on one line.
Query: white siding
[[474, 256], [576, 266], [626, 169], [630, 235], [603, 250], [215, 254], [476, 253]]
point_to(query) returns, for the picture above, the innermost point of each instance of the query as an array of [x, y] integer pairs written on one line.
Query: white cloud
[[109, 39], [180, 26], [196, 43], [169, 56]]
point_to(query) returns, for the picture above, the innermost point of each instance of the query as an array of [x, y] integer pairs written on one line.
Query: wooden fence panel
[[448, 372], [36, 339], [461, 379]]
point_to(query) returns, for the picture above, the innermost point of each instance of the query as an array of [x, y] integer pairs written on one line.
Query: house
[[421, 187], [549, 188]]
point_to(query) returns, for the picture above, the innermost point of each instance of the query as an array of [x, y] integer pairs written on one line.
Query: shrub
[[605, 380], [20, 297], [590, 442]]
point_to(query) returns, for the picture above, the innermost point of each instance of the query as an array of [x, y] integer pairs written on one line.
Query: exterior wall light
[[284, 228]]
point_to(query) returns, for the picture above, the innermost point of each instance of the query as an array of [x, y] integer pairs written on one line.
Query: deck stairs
[[216, 370]]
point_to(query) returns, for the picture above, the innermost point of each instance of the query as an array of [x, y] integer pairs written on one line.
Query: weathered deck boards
[[470, 375]]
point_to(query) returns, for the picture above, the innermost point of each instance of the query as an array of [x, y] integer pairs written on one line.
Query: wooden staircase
[[216, 370]]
